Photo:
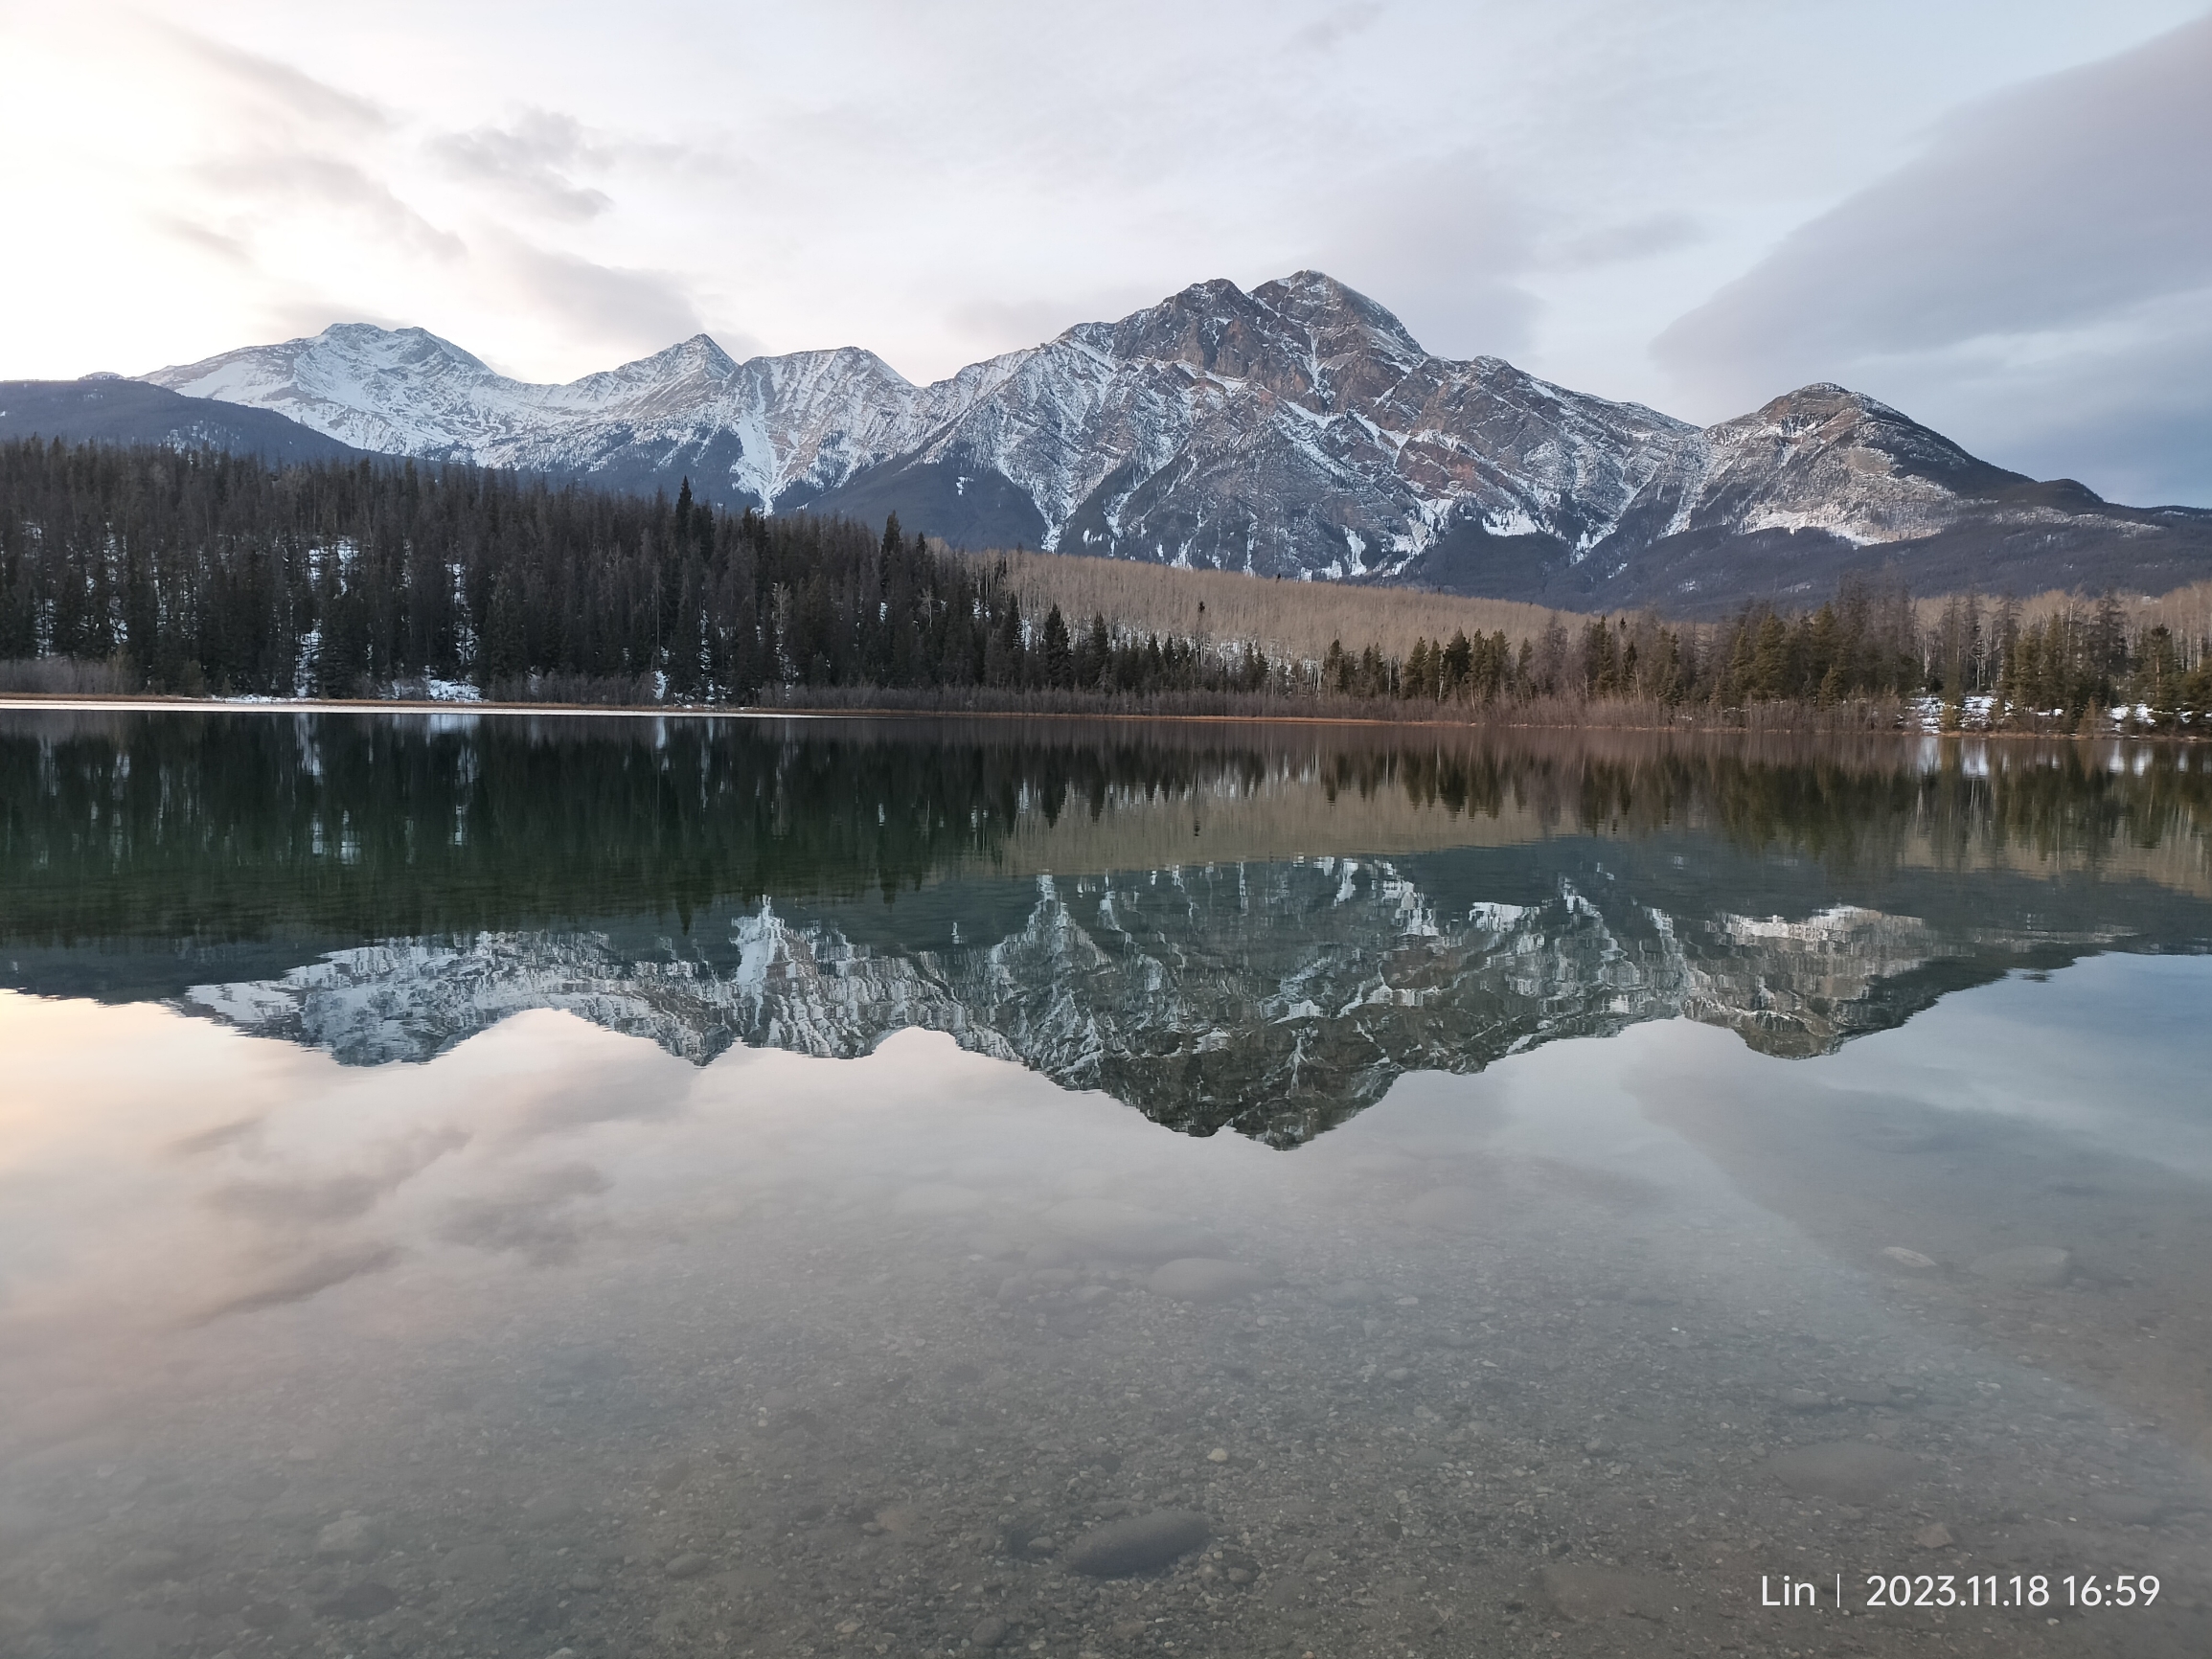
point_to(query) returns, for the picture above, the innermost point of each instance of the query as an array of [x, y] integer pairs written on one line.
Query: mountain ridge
[[110, 409], [1298, 430]]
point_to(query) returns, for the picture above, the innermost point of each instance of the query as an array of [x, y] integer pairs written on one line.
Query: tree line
[[209, 574], [200, 573], [1866, 643]]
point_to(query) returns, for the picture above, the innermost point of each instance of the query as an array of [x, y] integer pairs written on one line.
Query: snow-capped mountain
[[745, 431], [1296, 430]]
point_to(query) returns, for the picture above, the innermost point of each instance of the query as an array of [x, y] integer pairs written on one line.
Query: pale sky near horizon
[[1995, 214]]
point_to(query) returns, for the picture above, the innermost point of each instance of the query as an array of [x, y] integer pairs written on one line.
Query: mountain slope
[[1297, 430], [108, 409]]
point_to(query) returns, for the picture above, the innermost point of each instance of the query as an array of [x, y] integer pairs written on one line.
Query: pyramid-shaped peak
[[367, 334], [682, 365], [1211, 289], [1824, 399], [1824, 418], [396, 346], [1320, 288], [699, 351], [1319, 302]]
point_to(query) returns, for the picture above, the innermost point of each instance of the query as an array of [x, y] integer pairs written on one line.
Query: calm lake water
[[487, 1185]]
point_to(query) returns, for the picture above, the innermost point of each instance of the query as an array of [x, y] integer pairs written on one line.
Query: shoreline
[[114, 703]]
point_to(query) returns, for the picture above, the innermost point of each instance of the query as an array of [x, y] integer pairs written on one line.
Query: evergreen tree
[[1459, 664], [1059, 653]]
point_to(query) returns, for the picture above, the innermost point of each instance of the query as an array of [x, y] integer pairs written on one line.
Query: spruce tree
[[1059, 654]]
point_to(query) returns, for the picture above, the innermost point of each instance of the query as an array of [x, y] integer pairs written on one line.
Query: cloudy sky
[[1995, 214]]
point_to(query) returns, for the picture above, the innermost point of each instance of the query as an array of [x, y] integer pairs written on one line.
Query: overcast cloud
[[532, 160], [1992, 213]]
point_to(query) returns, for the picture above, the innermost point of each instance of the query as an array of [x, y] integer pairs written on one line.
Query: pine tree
[[1336, 668], [1459, 664], [1094, 665], [506, 641], [1059, 656]]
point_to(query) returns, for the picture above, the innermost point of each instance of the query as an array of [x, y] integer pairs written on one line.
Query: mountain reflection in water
[[1258, 928]]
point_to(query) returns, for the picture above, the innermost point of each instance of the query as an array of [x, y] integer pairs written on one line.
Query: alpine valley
[[1296, 431]]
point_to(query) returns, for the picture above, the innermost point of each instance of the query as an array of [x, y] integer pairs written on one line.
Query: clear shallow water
[[491, 1188]]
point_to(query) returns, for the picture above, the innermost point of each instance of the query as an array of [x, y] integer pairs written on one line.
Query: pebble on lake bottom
[[1139, 1545], [350, 1537]]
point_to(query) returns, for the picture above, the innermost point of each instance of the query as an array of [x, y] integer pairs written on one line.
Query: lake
[[492, 1185]]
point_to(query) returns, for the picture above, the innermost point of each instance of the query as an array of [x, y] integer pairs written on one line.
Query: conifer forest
[[199, 573]]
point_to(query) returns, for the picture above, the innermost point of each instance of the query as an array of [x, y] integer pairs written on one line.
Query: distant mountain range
[[1297, 430], [109, 409]]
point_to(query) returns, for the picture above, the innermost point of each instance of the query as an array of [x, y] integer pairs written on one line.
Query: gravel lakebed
[[993, 1381]]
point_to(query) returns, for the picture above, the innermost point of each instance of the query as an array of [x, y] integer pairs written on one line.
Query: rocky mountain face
[[1297, 430], [1277, 999]]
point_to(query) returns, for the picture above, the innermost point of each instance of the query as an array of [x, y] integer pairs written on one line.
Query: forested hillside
[[206, 573], [200, 573]]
